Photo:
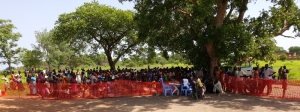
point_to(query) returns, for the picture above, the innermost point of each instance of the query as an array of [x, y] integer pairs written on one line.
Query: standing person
[[255, 80], [78, 77], [6, 85], [233, 82], [195, 87], [279, 73], [14, 80], [268, 73], [227, 79], [32, 84], [218, 73], [240, 81], [284, 77]]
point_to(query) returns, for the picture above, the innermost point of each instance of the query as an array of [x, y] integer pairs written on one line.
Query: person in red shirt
[[255, 81]]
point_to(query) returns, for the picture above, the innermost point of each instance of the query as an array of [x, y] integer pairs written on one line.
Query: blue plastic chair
[[185, 89], [167, 88]]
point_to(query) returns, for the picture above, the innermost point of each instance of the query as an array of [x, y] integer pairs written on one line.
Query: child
[[6, 85]]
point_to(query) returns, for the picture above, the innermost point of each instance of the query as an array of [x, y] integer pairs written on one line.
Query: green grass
[[292, 65]]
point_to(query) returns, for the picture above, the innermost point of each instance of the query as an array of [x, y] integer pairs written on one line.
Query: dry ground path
[[212, 103]]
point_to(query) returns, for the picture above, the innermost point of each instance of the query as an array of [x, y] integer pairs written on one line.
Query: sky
[[35, 15]]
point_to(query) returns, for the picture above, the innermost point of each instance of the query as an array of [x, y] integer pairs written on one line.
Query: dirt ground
[[212, 103]]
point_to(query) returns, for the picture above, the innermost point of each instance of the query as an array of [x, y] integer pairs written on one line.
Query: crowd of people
[[222, 80], [262, 78]]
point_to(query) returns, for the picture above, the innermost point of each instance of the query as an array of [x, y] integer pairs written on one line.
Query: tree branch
[[283, 29], [221, 10], [118, 39], [229, 13], [184, 12], [123, 52], [287, 36], [242, 10]]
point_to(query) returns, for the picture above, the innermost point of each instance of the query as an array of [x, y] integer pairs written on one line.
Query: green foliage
[[283, 57], [280, 50], [55, 53], [292, 66], [162, 61], [94, 26], [131, 64], [294, 49], [9, 49], [187, 28], [99, 59], [31, 58]]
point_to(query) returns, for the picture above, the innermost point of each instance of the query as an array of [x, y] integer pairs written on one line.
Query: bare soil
[[212, 103]]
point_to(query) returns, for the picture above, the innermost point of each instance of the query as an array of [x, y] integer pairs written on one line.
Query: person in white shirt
[[78, 77], [6, 81], [268, 73], [218, 87]]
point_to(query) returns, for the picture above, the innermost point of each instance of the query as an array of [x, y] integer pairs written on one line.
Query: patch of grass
[[292, 65]]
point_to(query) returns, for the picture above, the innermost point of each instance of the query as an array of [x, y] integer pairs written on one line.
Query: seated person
[[217, 87]]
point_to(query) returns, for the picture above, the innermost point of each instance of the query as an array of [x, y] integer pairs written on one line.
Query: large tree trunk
[[214, 61], [210, 47], [111, 63]]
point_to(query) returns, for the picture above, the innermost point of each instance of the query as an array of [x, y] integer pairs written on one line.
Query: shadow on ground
[[152, 103]]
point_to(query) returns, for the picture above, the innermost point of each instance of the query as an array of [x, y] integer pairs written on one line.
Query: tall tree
[[99, 27], [44, 44], [294, 49], [31, 58], [55, 53], [9, 49], [211, 30]]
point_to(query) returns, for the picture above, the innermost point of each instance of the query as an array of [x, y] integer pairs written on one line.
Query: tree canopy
[[209, 31], [294, 49], [94, 26], [31, 58], [9, 49]]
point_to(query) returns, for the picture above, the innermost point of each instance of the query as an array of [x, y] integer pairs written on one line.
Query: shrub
[[283, 57]]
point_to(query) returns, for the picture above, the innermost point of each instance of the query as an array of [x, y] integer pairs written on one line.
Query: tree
[[162, 61], [31, 58], [294, 49], [207, 31], [44, 44], [99, 59], [9, 49], [99, 26], [280, 50], [55, 53], [76, 61], [283, 57]]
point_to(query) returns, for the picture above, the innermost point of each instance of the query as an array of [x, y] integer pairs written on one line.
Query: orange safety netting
[[116, 88], [287, 89]]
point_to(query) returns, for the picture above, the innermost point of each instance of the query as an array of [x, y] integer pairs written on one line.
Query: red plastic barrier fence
[[116, 88], [287, 89]]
